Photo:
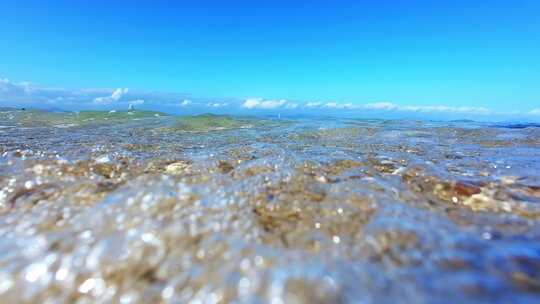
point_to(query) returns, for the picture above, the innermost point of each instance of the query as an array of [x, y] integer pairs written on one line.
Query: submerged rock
[[210, 122], [178, 167]]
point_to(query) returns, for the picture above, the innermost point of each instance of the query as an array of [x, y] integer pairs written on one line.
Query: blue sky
[[408, 56]]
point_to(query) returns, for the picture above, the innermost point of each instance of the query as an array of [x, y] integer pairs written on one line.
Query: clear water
[[142, 207]]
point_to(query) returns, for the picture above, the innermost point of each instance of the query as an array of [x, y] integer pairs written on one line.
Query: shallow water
[[142, 207]]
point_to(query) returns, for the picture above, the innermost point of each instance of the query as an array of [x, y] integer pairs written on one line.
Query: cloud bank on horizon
[[15, 94], [115, 96]]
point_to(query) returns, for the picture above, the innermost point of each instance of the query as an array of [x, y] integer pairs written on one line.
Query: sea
[[145, 207]]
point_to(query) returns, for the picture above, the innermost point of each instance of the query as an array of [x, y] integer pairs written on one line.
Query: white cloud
[[313, 104], [212, 104], [330, 105], [186, 103], [115, 96], [217, 104], [291, 106], [4, 82], [445, 109], [535, 111], [380, 106], [259, 103], [7, 86], [337, 105], [387, 106]]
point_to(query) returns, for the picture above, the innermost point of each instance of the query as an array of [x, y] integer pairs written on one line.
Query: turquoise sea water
[[141, 207]]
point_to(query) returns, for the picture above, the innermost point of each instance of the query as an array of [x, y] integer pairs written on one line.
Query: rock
[[225, 167], [178, 168]]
